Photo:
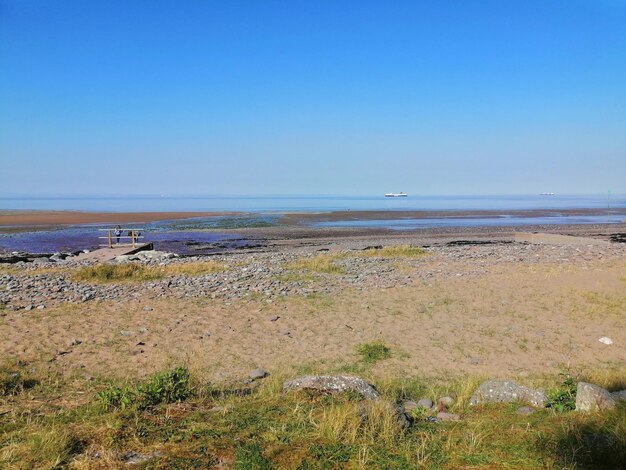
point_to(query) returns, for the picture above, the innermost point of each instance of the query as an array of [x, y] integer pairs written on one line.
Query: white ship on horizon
[[400, 194]]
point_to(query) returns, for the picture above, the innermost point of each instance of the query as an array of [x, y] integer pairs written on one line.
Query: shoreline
[[26, 219], [17, 219]]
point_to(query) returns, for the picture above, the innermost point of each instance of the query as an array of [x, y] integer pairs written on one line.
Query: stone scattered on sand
[[74, 342], [332, 384], [590, 397], [257, 374], [606, 340], [506, 391], [274, 318]]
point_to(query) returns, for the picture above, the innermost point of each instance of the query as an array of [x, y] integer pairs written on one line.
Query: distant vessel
[[546, 194], [396, 194]]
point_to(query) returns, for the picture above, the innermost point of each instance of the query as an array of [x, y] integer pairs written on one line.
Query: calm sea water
[[188, 237], [310, 203]]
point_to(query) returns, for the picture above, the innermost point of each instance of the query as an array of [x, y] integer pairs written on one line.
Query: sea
[[204, 235], [300, 203]]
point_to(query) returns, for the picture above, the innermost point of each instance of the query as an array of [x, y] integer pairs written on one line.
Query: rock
[[332, 384], [590, 397], [133, 458], [408, 405], [448, 416], [505, 391], [525, 410], [606, 340], [41, 307], [274, 318], [426, 403], [41, 260], [444, 402], [28, 307], [74, 342], [88, 297], [127, 333], [619, 396], [257, 374]]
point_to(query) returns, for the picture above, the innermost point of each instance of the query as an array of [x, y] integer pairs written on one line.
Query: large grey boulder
[[332, 384], [590, 397], [619, 396], [506, 391]]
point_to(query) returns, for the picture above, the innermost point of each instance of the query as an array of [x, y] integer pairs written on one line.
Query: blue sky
[[312, 97]]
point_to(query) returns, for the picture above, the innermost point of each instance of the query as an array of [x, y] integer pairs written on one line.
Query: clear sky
[[312, 97]]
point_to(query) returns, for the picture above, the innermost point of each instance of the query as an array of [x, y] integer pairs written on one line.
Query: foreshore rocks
[[506, 391], [590, 397], [266, 275], [332, 384]]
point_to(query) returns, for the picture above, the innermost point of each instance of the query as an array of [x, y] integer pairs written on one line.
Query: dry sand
[[495, 317]]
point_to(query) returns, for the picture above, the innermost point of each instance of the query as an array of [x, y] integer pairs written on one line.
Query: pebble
[[443, 416], [259, 274], [257, 374], [426, 403], [606, 340]]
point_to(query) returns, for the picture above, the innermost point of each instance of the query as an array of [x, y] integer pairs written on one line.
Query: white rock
[[606, 340]]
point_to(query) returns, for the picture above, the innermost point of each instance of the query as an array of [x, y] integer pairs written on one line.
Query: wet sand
[[334, 216], [56, 218]]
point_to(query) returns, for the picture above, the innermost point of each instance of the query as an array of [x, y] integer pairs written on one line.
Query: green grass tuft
[[373, 352], [563, 398], [163, 387]]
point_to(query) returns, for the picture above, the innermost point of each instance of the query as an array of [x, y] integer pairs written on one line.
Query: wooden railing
[[113, 240]]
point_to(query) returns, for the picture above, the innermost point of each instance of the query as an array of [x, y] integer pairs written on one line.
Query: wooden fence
[[114, 235]]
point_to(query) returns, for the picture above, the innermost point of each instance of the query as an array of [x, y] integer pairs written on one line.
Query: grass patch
[[164, 387], [133, 272], [199, 268], [270, 429], [322, 263], [126, 272], [373, 352], [563, 398], [392, 251]]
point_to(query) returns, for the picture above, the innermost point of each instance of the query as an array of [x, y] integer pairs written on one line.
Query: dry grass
[[198, 268], [319, 264], [132, 272], [127, 272], [267, 428], [393, 251]]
